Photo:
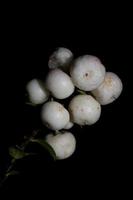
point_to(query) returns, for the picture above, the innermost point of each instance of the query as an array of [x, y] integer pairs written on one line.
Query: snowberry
[[37, 92], [84, 110], [59, 84], [54, 115], [61, 57], [109, 90], [63, 144], [87, 72]]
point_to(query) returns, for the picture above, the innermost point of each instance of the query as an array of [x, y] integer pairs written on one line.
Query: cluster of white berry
[[87, 74]]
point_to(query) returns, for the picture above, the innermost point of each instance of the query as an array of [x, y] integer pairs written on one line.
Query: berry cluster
[[86, 74]]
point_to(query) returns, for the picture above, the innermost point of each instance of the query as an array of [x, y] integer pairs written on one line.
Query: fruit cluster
[[96, 87]]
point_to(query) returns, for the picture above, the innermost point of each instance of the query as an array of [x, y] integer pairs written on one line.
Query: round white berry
[[37, 92], [59, 84], [69, 125], [84, 110], [61, 57], [87, 72], [54, 115], [109, 90], [63, 144]]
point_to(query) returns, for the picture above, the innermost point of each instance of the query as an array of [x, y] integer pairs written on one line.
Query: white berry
[[63, 144], [87, 72], [54, 115], [84, 110], [59, 84], [37, 92], [109, 90], [61, 57]]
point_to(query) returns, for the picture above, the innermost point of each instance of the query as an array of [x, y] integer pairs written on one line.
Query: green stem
[[13, 161], [10, 167], [28, 140], [81, 91]]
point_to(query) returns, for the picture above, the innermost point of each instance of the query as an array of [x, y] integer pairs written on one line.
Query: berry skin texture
[[37, 92], [59, 84], [84, 110], [54, 115], [87, 72], [109, 90], [61, 58], [63, 144]]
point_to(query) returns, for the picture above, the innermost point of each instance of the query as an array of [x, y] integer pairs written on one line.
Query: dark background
[[102, 150]]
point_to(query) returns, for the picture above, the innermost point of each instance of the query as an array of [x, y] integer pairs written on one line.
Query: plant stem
[[28, 140], [13, 160], [81, 92], [10, 167]]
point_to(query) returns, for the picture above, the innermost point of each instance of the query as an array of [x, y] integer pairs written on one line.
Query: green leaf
[[12, 173], [17, 153], [45, 145]]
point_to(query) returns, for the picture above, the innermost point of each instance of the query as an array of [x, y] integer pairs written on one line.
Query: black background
[[102, 150]]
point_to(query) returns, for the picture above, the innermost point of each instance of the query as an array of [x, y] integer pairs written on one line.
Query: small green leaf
[[45, 145], [17, 153], [12, 173]]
